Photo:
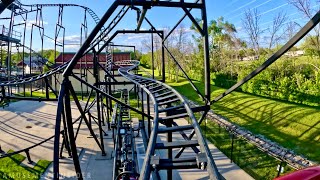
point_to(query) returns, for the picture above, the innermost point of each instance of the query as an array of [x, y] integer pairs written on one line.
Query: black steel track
[[168, 100], [35, 78], [94, 16]]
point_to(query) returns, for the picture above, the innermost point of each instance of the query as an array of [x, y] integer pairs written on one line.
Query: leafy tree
[[310, 46], [251, 24], [308, 10]]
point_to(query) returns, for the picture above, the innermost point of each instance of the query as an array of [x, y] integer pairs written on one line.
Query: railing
[[6, 32]]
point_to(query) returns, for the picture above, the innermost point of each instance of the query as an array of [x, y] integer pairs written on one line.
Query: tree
[[222, 41], [117, 50], [50, 55], [3, 56], [310, 47], [179, 49], [146, 42], [135, 55], [291, 29], [251, 25], [277, 24], [305, 7]]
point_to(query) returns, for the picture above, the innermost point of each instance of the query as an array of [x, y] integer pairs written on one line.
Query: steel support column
[[163, 66], [152, 56], [73, 145], [148, 112], [57, 133], [205, 37]]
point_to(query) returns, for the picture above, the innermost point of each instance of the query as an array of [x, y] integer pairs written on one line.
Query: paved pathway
[[15, 123]]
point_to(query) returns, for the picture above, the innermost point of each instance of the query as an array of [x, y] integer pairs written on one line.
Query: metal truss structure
[[160, 97]]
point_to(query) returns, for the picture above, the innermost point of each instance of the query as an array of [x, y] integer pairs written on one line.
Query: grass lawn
[[256, 163], [10, 168], [294, 126], [39, 94]]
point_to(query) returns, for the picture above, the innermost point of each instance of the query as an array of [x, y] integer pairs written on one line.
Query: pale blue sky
[[232, 10]]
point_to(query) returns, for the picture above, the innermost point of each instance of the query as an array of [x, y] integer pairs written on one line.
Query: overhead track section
[[4, 4]]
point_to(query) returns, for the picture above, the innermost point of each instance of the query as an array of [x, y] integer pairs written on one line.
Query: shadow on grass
[[294, 126], [10, 168], [255, 162]]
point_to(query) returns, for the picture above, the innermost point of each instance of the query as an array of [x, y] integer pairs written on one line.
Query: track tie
[[151, 84], [141, 81], [177, 144], [174, 129], [171, 108], [176, 116], [155, 87], [181, 163], [166, 98], [158, 90], [163, 94], [168, 102]]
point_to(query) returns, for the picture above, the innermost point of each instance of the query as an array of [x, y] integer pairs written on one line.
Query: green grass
[[255, 162], [293, 126], [10, 168], [133, 103], [39, 94]]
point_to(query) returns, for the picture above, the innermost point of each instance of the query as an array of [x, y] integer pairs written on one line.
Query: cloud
[[73, 39], [68, 40], [139, 37], [31, 22], [71, 47]]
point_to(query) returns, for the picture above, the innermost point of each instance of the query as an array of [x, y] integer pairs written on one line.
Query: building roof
[[122, 52], [87, 60]]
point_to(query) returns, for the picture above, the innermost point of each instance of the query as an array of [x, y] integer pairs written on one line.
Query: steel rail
[[149, 86], [34, 78], [94, 16]]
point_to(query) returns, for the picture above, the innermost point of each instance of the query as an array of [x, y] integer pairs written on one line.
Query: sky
[[162, 18]]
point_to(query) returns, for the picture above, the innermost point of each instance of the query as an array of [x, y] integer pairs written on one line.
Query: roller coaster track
[[34, 78], [94, 16], [168, 100], [106, 31]]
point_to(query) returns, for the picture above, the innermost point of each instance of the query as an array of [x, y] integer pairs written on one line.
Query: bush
[[223, 80]]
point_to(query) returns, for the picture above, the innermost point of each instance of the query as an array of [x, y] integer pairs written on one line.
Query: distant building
[[250, 58], [87, 60], [32, 65], [294, 53]]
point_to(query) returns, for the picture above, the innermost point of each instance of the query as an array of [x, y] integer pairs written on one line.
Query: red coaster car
[[311, 173]]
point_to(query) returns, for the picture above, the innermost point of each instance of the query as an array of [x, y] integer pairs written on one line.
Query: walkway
[[25, 123]]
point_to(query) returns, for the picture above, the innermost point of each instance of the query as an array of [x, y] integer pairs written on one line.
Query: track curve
[[34, 78], [94, 16], [167, 100]]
